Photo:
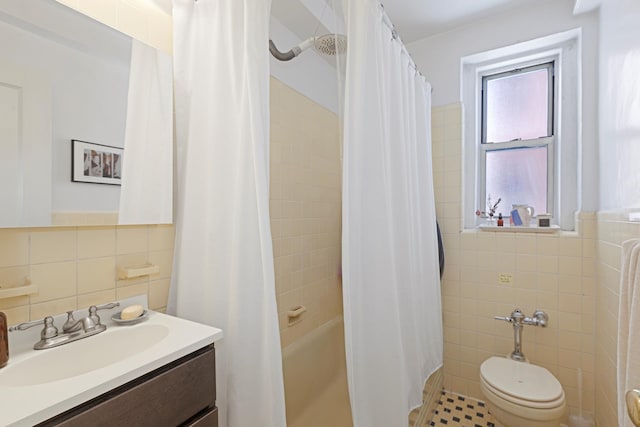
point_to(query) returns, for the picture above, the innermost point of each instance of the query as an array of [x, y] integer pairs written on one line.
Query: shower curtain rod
[[394, 33], [396, 36]]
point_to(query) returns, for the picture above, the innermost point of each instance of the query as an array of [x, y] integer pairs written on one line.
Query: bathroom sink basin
[[80, 357], [37, 385]]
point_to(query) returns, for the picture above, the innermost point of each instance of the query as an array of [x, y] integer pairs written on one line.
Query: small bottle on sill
[[500, 220]]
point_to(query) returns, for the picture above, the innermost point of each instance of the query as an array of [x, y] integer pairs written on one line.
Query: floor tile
[[456, 410]]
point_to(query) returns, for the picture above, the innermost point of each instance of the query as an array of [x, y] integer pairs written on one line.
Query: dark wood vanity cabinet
[[182, 393]]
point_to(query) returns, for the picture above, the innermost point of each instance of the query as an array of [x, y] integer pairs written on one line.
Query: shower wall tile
[[14, 247], [94, 242], [159, 292], [54, 280], [305, 207], [164, 260], [612, 228], [51, 245], [555, 273], [96, 275], [132, 290], [97, 298], [75, 267], [131, 239], [51, 308], [161, 237]]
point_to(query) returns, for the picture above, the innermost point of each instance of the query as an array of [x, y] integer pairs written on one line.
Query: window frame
[[515, 70], [548, 141], [566, 48]]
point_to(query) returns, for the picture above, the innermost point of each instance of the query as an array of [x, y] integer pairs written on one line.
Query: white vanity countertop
[[29, 404]]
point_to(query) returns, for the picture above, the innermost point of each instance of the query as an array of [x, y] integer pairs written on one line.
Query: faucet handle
[[107, 306], [93, 311], [25, 325], [516, 316], [49, 330]]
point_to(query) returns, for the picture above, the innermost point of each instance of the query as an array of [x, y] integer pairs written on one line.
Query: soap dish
[[116, 318]]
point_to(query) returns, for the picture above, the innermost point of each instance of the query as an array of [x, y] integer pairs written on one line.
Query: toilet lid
[[521, 380]]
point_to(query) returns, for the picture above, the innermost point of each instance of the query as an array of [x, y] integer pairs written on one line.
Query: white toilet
[[520, 394]]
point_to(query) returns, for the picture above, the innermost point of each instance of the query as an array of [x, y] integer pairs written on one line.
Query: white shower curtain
[[392, 308], [146, 196], [223, 265]]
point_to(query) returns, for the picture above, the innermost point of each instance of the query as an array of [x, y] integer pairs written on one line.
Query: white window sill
[[520, 229]]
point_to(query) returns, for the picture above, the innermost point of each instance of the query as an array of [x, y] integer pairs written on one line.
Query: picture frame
[[96, 163]]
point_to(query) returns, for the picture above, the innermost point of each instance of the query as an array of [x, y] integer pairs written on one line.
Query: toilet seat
[[521, 383]]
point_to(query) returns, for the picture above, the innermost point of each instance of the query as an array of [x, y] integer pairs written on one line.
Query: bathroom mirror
[[64, 77]]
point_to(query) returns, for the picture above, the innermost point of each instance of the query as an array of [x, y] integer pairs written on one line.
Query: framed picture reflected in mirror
[[96, 163]]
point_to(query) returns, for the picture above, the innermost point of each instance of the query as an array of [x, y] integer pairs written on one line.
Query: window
[[521, 128], [516, 153]]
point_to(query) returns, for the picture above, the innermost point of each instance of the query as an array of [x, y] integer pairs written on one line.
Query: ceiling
[[417, 19], [413, 19]]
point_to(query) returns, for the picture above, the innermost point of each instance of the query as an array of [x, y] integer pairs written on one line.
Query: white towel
[[628, 337]]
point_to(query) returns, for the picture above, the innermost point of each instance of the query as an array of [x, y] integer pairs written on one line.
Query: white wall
[[620, 105], [308, 73], [89, 104], [438, 57]]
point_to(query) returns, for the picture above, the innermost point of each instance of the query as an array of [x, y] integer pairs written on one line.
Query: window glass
[[518, 176], [517, 106]]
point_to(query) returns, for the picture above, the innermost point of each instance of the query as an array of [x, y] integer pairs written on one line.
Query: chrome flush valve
[[515, 317], [539, 318]]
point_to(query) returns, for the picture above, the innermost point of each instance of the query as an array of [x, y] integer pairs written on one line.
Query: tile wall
[[136, 18], [75, 267], [305, 210], [613, 229], [552, 272]]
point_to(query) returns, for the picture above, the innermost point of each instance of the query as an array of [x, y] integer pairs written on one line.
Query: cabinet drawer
[[168, 396], [210, 419]]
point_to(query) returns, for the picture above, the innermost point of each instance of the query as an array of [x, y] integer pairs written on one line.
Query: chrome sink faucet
[[539, 318], [72, 330], [89, 323]]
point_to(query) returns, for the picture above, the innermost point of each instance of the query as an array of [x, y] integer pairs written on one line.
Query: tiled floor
[[461, 411]]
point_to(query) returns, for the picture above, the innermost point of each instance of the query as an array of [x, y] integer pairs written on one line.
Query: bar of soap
[[131, 312]]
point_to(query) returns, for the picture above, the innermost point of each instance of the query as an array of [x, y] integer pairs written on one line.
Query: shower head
[[328, 44], [331, 44]]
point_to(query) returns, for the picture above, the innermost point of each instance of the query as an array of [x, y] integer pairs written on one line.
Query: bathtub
[[315, 378], [315, 382]]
